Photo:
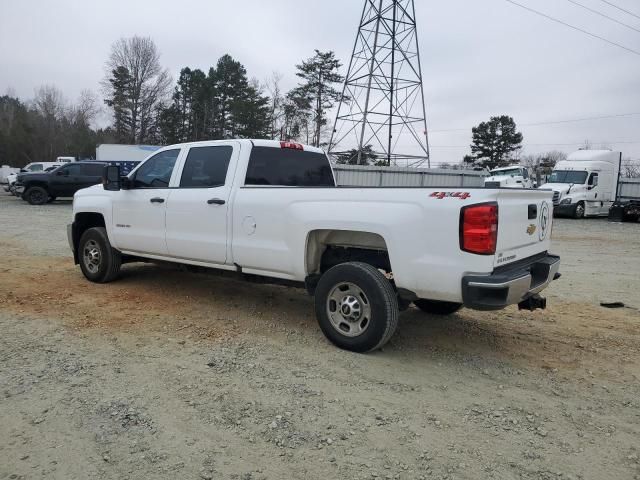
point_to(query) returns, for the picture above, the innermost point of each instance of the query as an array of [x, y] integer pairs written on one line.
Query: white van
[[584, 185]]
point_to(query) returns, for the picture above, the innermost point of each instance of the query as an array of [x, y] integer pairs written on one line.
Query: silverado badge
[[531, 229]]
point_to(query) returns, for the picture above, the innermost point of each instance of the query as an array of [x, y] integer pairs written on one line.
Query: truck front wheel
[[356, 307], [99, 262], [579, 211], [436, 307], [36, 196]]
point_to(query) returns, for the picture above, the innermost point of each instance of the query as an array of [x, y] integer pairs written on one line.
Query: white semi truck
[[586, 183], [515, 176]]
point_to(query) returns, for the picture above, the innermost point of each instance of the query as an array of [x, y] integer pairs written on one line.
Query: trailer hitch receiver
[[532, 303]]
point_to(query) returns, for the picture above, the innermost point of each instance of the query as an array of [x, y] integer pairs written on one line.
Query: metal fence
[[629, 189], [365, 176]]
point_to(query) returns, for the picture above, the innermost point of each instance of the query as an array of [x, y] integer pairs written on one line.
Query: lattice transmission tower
[[382, 111]]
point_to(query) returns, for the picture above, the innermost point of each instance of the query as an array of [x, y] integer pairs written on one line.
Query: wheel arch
[[326, 248], [82, 221]]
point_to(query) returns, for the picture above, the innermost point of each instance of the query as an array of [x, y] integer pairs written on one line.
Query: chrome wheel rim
[[348, 309], [579, 210], [92, 256]]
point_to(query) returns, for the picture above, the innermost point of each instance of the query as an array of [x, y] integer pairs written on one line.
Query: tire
[[99, 262], [578, 213], [36, 196], [436, 307], [356, 307]]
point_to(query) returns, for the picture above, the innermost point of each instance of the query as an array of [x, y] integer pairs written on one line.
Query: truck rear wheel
[[356, 307], [436, 307], [36, 196], [99, 262]]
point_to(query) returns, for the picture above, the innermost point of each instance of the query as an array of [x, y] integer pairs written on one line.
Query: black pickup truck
[[64, 181]]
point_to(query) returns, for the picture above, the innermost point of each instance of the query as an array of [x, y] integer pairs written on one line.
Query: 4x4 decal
[[460, 195]]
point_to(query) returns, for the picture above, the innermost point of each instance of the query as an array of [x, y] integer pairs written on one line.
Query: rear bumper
[[511, 284]]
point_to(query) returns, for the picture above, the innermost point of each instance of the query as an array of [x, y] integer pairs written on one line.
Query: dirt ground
[[166, 374]]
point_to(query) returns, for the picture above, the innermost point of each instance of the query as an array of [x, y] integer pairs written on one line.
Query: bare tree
[[86, 108], [587, 145], [630, 168], [276, 105], [49, 102], [135, 84], [51, 106]]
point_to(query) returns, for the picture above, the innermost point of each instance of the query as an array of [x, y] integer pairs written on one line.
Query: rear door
[[91, 174], [198, 210], [524, 224]]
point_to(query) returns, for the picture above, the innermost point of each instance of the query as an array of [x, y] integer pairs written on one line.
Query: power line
[[552, 122], [603, 15], [620, 8], [553, 19]]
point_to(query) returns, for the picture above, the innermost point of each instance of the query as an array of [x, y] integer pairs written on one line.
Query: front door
[[64, 181], [139, 212], [197, 211]]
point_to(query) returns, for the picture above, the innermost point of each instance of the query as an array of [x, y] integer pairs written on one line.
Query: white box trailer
[[108, 152]]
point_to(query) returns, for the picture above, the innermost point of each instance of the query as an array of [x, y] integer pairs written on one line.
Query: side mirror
[[61, 172], [111, 178]]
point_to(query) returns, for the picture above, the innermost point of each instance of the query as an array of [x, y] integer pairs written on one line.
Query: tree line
[[146, 107]]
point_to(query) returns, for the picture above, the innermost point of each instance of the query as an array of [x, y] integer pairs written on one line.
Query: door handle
[[216, 201], [157, 200]]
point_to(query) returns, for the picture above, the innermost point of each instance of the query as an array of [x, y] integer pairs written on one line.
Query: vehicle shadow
[[207, 299]]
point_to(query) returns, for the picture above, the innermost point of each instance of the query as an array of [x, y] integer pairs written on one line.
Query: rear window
[[287, 167]]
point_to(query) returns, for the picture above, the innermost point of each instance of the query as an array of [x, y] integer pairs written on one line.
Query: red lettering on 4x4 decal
[[460, 195]]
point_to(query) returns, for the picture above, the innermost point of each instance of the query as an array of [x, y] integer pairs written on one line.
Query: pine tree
[[120, 102], [494, 142], [229, 84], [320, 74]]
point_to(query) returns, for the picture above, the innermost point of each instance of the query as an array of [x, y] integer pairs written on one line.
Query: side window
[[156, 172], [525, 174], [36, 167], [288, 167], [71, 170], [593, 179], [206, 167], [90, 170]]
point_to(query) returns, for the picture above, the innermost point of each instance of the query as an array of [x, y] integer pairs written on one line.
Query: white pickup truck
[[271, 210]]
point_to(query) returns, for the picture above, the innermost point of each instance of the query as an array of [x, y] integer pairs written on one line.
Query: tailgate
[[524, 224]]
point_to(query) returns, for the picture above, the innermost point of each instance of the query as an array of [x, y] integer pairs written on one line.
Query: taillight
[[479, 228], [292, 145]]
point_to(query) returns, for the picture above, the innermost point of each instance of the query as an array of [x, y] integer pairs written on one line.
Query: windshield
[[511, 171], [568, 176]]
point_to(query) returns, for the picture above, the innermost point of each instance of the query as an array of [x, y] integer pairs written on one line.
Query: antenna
[[382, 109]]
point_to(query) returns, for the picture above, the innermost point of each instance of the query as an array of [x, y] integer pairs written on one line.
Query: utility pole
[[382, 105]]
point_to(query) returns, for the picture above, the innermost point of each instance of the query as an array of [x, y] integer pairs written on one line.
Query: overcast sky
[[479, 57]]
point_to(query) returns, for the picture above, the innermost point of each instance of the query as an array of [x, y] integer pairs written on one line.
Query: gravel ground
[[167, 374]]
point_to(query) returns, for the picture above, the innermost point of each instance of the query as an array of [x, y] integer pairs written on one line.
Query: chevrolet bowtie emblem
[[531, 229]]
